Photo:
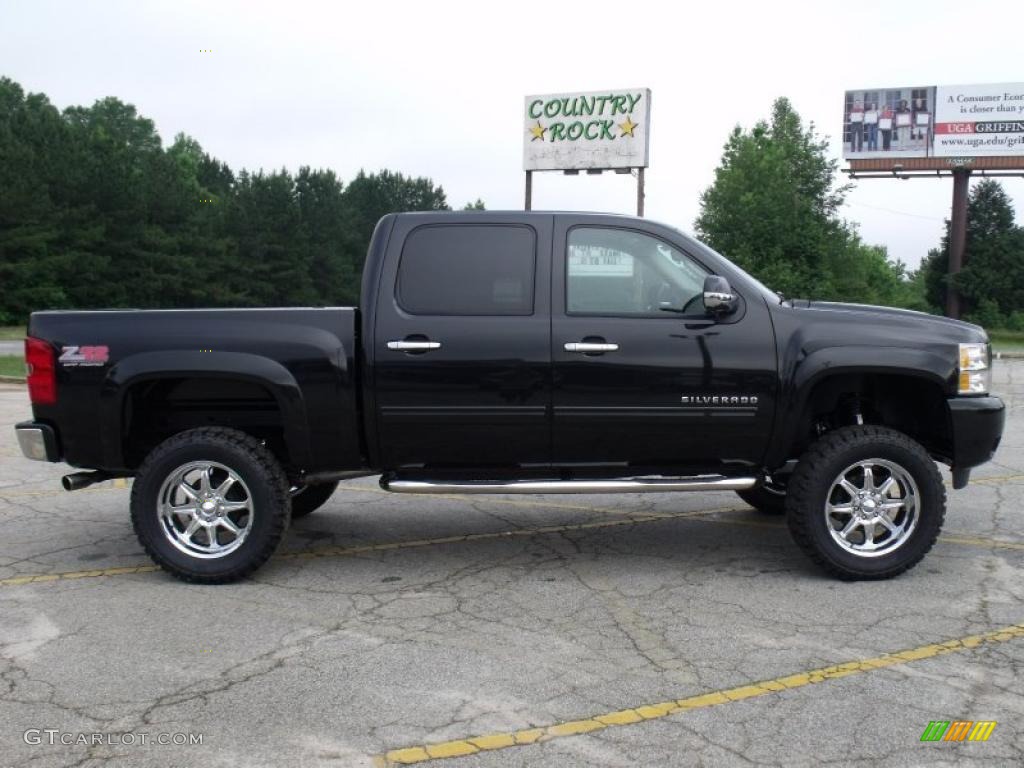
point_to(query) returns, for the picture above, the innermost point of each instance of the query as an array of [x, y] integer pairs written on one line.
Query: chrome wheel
[[872, 507], [205, 509]]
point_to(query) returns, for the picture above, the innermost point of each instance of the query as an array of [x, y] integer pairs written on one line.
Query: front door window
[[620, 272]]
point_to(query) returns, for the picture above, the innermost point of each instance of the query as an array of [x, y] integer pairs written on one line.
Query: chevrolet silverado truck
[[524, 352]]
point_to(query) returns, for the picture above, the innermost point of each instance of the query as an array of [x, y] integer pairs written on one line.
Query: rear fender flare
[[151, 366]]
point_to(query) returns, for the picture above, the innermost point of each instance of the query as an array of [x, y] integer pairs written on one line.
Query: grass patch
[[12, 365], [12, 332], [1007, 341]]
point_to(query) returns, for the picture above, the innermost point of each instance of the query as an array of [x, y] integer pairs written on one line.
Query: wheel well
[[157, 409], [909, 404]]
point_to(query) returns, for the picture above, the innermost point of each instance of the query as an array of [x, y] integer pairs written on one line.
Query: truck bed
[[290, 374]]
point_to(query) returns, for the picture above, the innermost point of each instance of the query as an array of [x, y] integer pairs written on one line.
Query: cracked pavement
[[496, 614]]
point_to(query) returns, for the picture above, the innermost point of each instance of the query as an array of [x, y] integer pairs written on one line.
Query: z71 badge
[[79, 356]]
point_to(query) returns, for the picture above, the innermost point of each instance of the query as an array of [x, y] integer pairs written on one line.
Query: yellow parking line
[[361, 549], [980, 541], [973, 541], [700, 515], [37, 578], [496, 741], [117, 484], [996, 479]]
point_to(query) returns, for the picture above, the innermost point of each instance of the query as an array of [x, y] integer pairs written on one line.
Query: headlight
[[975, 372]]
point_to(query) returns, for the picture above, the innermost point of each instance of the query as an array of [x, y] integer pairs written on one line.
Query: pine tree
[[991, 281]]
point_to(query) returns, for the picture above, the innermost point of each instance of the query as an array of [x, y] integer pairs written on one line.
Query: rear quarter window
[[468, 270]]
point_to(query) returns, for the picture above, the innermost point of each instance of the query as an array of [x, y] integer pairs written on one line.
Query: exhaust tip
[[78, 480]]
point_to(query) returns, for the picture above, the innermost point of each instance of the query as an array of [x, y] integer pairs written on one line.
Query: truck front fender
[[802, 371], [151, 366]]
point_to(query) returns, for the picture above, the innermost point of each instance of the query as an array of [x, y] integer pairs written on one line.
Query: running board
[[648, 484]]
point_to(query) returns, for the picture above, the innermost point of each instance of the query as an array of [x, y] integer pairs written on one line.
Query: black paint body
[[501, 396]]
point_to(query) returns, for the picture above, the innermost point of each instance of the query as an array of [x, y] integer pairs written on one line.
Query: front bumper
[[37, 441], [977, 424]]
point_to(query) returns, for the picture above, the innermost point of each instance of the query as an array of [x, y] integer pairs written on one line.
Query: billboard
[[979, 120], [587, 130], [934, 121]]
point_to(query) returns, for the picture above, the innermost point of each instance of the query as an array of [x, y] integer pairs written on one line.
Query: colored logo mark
[[958, 730]]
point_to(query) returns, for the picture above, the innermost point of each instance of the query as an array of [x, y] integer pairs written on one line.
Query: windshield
[[769, 294]]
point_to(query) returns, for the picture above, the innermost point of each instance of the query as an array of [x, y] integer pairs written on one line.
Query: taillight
[[42, 377]]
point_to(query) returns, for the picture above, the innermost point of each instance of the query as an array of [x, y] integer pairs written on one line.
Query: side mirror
[[719, 299]]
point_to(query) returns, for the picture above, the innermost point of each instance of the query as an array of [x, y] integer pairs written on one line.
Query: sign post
[[592, 131], [640, 192], [932, 132]]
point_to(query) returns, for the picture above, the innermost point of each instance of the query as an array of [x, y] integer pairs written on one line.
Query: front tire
[[210, 505], [866, 502]]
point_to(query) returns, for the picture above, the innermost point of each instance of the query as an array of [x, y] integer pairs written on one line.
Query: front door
[[462, 356], [642, 376]]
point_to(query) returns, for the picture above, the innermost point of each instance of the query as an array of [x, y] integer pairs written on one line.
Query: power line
[[892, 210]]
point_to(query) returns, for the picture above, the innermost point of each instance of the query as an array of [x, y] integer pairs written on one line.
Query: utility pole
[[957, 237]]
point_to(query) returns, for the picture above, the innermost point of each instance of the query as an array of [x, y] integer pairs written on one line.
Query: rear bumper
[[37, 441], [977, 428]]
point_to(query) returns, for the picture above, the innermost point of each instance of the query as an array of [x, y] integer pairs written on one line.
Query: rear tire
[[866, 502], [210, 505], [768, 498], [309, 498]]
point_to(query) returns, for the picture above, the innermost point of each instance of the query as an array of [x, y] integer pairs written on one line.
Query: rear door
[[462, 361], [636, 385]]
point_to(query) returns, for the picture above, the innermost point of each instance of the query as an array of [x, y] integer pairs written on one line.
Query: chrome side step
[[646, 484]]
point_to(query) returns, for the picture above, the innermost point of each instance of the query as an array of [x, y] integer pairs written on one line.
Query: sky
[[436, 89]]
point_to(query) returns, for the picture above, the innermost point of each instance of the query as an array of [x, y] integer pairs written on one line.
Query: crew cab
[[520, 352]]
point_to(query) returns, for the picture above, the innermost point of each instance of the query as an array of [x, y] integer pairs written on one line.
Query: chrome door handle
[[586, 346], [414, 346]]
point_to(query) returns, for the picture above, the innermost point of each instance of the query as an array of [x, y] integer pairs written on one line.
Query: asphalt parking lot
[[677, 629]]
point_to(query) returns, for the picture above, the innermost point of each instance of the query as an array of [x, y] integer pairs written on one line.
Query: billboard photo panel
[[888, 122]]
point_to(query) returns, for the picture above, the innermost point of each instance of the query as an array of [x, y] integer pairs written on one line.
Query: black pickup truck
[[520, 353]]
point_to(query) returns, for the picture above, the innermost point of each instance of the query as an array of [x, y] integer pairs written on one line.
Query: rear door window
[[468, 270]]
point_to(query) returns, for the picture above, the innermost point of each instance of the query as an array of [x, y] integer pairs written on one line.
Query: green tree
[[370, 196], [774, 209], [326, 227], [477, 206], [96, 212], [991, 281]]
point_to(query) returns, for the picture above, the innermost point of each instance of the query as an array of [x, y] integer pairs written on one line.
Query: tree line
[[96, 212]]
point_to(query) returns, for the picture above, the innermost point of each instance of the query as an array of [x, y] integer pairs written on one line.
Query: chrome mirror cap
[[718, 296]]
